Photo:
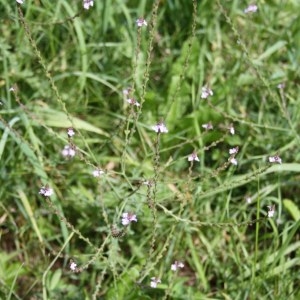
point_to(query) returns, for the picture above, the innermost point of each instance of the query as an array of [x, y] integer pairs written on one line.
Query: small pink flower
[[46, 191], [234, 150], [251, 9], [193, 157], [87, 4], [128, 218], [133, 102], [275, 159], [141, 22], [70, 132], [68, 151], [271, 211], [154, 282], [206, 92], [160, 128], [281, 86], [98, 172], [208, 126], [177, 265]]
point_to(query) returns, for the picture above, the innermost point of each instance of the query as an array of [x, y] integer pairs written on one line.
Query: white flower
[[133, 102], [281, 86], [87, 4], [20, 1], [231, 129], [160, 128], [251, 9], [127, 91], [148, 182], [275, 159], [248, 199], [208, 126], [46, 191], [68, 151], [206, 92], [141, 22], [154, 282], [271, 211], [128, 218], [12, 89], [233, 161], [73, 266], [70, 132], [234, 150], [98, 172], [176, 265], [193, 157]]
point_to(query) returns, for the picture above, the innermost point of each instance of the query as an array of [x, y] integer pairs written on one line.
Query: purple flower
[[141, 22], [193, 157], [208, 126], [206, 92], [160, 128], [271, 211], [87, 4], [251, 9], [128, 218], [281, 85], [46, 191], [70, 132], [73, 266], [127, 91], [177, 265], [154, 282], [275, 159], [98, 172], [234, 150], [68, 151], [133, 102], [233, 161]]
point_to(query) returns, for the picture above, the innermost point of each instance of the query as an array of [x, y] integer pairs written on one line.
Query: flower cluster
[[20, 1]]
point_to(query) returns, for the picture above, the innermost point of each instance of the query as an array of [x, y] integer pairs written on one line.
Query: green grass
[[68, 68]]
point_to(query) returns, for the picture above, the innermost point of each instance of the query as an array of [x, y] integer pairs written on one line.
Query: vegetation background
[[63, 66]]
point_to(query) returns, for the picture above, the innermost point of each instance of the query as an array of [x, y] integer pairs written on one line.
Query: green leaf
[[292, 208]]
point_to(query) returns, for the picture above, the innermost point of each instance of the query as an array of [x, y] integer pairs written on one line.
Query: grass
[[68, 68]]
